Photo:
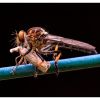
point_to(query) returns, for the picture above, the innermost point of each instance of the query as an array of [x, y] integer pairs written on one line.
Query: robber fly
[[40, 41]]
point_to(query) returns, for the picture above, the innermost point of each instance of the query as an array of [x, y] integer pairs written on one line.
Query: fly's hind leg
[[56, 54], [56, 57]]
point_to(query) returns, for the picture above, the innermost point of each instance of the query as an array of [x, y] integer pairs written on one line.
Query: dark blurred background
[[76, 21]]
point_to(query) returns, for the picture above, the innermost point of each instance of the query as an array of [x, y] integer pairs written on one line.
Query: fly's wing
[[71, 44]]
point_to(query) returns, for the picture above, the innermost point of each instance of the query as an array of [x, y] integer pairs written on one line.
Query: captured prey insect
[[32, 58], [37, 40]]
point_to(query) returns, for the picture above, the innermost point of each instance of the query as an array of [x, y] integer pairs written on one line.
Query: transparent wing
[[71, 43]]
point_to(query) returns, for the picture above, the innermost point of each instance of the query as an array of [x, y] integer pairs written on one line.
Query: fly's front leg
[[22, 60], [22, 53], [17, 63]]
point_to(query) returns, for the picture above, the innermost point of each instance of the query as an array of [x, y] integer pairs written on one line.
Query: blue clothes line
[[64, 65]]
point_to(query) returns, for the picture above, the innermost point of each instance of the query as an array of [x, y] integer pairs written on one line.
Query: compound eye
[[21, 35]]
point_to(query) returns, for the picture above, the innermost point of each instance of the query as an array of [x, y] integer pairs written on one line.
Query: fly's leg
[[20, 61], [48, 50], [39, 55], [36, 72], [17, 63], [21, 56], [56, 57], [37, 52], [56, 54]]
